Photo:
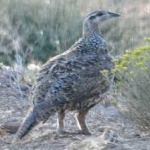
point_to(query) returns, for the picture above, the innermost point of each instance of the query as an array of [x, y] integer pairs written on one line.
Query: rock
[[111, 136]]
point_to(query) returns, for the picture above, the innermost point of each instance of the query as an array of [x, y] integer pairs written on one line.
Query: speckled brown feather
[[71, 80]]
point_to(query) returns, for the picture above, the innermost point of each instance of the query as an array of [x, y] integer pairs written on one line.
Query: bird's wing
[[69, 77], [68, 81]]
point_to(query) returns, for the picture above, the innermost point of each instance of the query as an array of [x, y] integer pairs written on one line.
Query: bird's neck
[[90, 29]]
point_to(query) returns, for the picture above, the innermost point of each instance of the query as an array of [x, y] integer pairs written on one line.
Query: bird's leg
[[60, 122], [81, 122]]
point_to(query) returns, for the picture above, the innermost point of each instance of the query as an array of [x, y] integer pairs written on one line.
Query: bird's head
[[100, 16], [93, 19]]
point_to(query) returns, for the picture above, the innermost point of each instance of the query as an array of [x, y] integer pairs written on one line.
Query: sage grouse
[[72, 80]]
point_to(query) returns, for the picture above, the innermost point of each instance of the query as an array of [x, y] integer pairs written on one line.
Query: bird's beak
[[114, 14]]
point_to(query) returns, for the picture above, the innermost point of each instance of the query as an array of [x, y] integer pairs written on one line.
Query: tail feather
[[29, 122]]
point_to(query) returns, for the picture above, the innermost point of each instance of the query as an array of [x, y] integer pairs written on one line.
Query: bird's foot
[[85, 132], [61, 131]]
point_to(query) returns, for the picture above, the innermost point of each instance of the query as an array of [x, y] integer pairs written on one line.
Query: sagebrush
[[133, 73]]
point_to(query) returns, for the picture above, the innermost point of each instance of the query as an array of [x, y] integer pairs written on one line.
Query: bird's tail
[[29, 122]]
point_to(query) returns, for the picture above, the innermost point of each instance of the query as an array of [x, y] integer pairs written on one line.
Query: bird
[[72, 81]]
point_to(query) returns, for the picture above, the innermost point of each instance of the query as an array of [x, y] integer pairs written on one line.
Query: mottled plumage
[[72, 80]]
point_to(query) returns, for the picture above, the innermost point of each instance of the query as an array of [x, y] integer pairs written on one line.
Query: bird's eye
[[105, 50], [92, 17], [100, 14]]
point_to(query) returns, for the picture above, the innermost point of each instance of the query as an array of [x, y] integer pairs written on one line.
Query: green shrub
[[133, 94]]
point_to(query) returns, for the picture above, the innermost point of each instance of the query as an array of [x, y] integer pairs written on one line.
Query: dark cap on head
[[102, 15]]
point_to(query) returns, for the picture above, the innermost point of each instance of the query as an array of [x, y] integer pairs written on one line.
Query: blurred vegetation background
[[35, 30], [31, 31]]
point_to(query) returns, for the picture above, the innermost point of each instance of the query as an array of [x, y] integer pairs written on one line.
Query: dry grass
[[137, 101]]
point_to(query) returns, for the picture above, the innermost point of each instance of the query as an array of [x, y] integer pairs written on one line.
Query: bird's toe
[[61, 131], [85, 132]]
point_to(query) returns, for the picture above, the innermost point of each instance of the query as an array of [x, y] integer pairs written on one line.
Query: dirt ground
[[110, 129]]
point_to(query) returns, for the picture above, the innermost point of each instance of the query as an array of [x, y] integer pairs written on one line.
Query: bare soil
[[110, 129]]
